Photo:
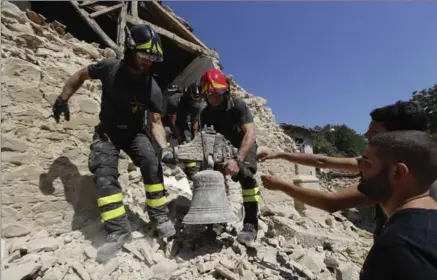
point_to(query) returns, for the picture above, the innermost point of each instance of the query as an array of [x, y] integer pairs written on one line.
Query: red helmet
[[213, 80]]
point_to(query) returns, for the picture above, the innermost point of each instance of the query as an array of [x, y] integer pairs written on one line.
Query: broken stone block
[[13, 145], [348, 271], [109, 53], [226, 273], [268, 255], [46, 244], [79, 269], [206, 266], [20, 271], [313, 262], [14, 230], [165, 267], [307, 238]]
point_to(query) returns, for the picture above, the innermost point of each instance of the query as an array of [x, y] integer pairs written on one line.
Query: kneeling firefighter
[[231, 117], [187, 120], [130, 93]]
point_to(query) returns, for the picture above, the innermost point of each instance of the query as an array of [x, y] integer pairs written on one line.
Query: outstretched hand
[[272, 181]]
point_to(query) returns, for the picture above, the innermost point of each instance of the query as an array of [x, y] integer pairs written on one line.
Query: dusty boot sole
[[110, 249], [107, 251], [243, 239], [166, 229]]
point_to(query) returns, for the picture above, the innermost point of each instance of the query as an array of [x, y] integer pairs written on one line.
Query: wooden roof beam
[[95, 27], [88, 3], [191, 47], [107, 10], [185, 44], [175, 23]]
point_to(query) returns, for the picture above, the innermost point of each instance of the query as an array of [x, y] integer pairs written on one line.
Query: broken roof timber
[[185, 44], [191, 47], [175, 23]]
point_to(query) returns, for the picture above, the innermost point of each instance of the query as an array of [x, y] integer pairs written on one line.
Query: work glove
[[167, 156], [60, 107]]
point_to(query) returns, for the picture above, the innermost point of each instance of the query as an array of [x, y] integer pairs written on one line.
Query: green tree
[[427, 98], [321, 145], [338, 140]]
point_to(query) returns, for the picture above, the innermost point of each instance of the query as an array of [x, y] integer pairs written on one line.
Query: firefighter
[[187, 121], [130, 95], [231, 117]]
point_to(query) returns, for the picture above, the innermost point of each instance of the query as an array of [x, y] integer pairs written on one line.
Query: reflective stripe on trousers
[[190, 164], [251, 195], [117, 209], [155, 195]]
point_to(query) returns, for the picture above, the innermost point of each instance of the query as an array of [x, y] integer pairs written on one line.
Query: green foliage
[[338, 140], [427, 98]]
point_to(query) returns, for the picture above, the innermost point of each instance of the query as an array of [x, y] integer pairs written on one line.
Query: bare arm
[[248, 139], [157, 128], [74, 83], [345, 164], [331, 202], [173, 127], [195, 126]]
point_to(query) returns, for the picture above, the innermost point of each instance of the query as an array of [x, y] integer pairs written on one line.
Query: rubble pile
[[50, 220], [337, 180]]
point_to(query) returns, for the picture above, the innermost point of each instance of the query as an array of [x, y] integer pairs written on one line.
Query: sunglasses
[[147, 56]]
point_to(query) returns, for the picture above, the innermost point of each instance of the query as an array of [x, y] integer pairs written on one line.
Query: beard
[[143, 67], [377, 187]]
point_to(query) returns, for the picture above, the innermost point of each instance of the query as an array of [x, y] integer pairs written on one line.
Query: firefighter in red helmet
[[231, 117]]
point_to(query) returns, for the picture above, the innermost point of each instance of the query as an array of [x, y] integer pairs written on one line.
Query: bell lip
[[189, 219]]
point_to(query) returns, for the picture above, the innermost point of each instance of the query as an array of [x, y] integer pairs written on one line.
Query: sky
[[321, 62]]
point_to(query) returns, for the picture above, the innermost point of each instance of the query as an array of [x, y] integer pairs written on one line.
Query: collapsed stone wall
[[337, 180], [47, 182], [49, 218]]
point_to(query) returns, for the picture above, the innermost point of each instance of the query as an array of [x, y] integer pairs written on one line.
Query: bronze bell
[[210, 204]]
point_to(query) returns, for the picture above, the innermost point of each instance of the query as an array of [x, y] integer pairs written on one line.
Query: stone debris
[[50, 221], [20, 271]]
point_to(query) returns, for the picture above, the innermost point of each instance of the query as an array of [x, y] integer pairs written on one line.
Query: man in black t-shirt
[[232, 118], [182, 112], [397, 170], [187, 121], [130, 94], [187, 115], [403, 115]]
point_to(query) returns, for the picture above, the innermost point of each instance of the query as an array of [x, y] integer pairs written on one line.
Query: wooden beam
[[134, 8], [175, 23], [121, 24], [87, 3], [95, 27], [181, 42], [188, 46], [107, 10]]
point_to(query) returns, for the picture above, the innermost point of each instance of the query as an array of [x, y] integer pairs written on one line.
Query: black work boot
[[114, 242], [248, 235], [191, 171], [164, 227]]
